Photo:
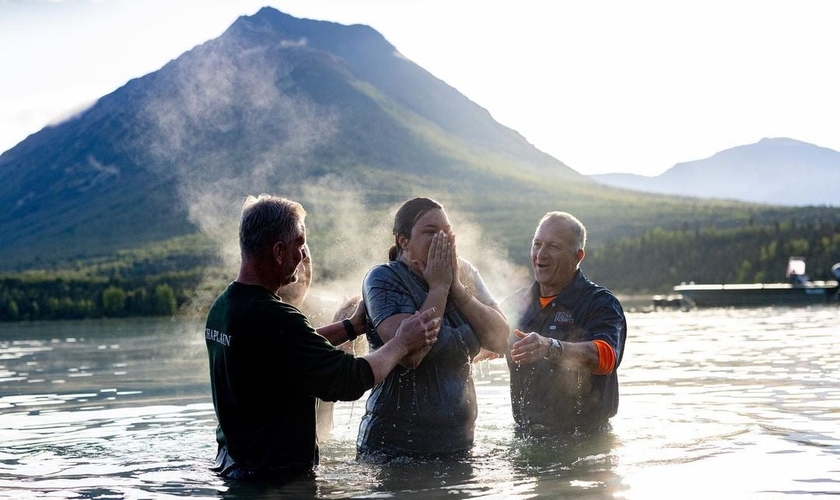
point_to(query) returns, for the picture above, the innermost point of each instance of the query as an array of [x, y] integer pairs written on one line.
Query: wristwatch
[[555, 350]]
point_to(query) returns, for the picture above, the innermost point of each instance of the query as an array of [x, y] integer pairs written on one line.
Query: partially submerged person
[[297, 294], [427, 406], [267, 363], [568, 339]]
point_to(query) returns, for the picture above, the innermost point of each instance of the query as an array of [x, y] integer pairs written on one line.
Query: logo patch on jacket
[[564, 318]]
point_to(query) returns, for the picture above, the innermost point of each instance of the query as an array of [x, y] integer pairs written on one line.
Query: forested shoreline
[[33, 298], [161, 282], [157, 280], [660, 258]]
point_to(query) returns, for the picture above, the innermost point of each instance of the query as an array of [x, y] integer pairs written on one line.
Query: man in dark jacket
[[568, 338]]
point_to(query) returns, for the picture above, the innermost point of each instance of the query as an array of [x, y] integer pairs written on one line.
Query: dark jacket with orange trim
[[546, 397]]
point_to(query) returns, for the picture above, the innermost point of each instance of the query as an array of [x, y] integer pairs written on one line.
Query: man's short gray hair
[[576, 226], [267, 219]]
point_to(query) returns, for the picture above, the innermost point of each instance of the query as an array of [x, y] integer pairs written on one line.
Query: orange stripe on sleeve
[[606, 358]]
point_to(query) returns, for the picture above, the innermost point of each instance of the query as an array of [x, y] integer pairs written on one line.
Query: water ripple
[[714, 403]]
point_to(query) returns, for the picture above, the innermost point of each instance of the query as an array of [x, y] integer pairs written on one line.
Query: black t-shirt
[[267, 367]]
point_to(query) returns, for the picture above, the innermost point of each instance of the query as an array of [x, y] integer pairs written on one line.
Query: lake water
[[725, 404]]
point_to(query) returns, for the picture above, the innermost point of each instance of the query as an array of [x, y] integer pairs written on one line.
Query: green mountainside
[[270, 105], [330, 115]]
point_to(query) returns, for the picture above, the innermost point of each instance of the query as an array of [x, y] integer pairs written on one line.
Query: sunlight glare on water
[[717, 403], [743, 404]]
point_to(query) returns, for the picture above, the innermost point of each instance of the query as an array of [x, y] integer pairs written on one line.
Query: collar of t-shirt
[[566, 296], [544, 301]]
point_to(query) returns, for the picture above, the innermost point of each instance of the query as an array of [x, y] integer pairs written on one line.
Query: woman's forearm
[[489, 324], [436, 298]]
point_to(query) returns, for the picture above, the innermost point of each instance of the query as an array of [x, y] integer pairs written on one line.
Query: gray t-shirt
[[431, 409]]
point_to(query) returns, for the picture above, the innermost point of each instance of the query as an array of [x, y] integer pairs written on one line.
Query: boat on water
[[799, 290]]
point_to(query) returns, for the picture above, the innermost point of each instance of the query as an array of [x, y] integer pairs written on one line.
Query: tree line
[[51, 297], [662, 258], [161, 282], [154, 280]]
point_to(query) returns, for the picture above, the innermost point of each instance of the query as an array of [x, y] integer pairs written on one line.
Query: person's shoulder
[[271, 304], [262, 298], [599, 295], [520, 295], [516, 303], [467, 272], [583, 283], [249, 296], [606, 296], [466, 265], [379, 272], [288, 315], [225, 294], [598, 289]]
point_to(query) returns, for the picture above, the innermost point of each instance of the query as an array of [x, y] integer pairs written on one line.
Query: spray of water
[[217, 109], [347, 238]]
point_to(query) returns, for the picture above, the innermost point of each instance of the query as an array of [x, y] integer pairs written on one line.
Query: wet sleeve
[[310, 363], [605, 321], [606, 358], [385, 295]]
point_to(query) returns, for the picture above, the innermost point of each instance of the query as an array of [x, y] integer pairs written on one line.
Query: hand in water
[[420, 330], [485, 355], [531, 347]]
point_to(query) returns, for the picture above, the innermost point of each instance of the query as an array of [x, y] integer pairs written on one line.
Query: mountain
[[272, 102], [777, 171], [327, 114]]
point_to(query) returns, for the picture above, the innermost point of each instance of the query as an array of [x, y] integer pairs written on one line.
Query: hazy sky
[[604, 86]]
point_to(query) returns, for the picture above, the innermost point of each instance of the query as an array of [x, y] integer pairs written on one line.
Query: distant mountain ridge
[[774, 171]]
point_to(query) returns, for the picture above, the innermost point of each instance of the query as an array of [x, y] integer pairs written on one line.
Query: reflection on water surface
[[726, 403]]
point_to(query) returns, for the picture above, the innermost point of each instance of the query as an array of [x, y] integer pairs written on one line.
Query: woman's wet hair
[[405, 219]]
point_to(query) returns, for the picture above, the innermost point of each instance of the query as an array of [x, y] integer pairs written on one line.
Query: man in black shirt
[[268, 364]]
